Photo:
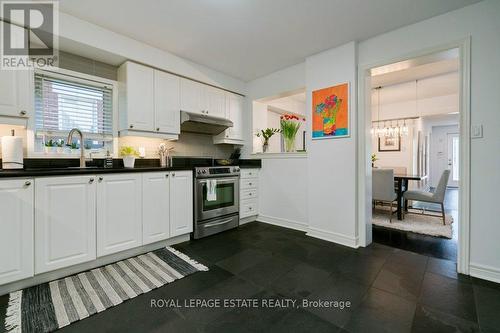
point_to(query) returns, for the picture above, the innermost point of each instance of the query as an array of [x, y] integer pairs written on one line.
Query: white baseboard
[[484, 272], [248, 219], [333, 237], [68, 271], [282, 222]]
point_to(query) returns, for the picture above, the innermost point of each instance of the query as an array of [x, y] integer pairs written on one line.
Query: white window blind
[[61, 105]]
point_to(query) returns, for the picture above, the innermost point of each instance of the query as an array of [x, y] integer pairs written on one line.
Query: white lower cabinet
[[16, 230], [119, 212], [249, 190], [181, 203], [65, 222], [155, 207]]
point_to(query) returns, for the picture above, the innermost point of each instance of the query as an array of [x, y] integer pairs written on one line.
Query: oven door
[[227, 198]]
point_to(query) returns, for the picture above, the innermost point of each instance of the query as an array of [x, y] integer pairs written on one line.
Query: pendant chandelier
[[393, 127]]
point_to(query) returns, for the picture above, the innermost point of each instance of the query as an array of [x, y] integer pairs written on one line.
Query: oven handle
[[224, 180], [213, 224]]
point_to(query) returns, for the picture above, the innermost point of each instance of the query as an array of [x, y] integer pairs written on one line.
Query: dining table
[[402, 180]]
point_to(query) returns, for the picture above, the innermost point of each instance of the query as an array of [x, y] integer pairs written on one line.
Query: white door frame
[[364, 150]]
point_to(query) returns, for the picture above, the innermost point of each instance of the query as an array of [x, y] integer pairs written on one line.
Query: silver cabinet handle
[[101, 179], [166, 176], [27, 183], [250, 194], [91, 180], [249, 183], [157, 129], [131, 126], [173, 174], [22, 113]]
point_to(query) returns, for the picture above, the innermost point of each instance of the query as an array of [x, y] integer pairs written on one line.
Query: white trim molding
[[333, 237], [280, 222], [484, 272], [363, 165]]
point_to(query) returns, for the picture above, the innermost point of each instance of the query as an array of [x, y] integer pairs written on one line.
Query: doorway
[[453, 157], [459, 148]]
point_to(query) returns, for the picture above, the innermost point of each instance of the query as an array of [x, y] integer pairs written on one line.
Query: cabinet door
[[235, 110], [193, 96], [16, 230], [119, 213], [155, 207], [167, 103], [139, 96], [216, 102], [181, 203], [65, 222]]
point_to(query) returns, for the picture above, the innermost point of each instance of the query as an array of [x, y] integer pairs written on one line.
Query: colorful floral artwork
[[330, 112]]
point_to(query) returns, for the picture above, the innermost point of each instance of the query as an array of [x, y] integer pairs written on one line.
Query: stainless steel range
[[216, 199]]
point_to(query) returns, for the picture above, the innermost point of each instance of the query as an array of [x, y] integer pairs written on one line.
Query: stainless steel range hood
[[205, 124]]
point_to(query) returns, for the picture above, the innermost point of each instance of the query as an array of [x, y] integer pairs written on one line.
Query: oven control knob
[[204, 171]]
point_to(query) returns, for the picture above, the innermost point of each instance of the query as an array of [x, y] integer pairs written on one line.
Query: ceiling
[[251, 38]]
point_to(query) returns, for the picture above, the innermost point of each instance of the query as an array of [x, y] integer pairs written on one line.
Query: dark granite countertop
[[69, 167]]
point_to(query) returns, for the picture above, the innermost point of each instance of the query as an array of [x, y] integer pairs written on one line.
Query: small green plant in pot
[[60, 146], [266, 135], [128, 154], [50, 146]]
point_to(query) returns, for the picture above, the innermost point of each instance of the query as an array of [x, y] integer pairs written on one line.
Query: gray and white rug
[[420, 224], [49, 306]]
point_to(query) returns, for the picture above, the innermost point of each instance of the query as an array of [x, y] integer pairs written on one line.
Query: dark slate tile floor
[[390, 290]]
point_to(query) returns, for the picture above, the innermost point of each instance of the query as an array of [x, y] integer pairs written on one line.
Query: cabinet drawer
[[249, 183], [248, 194], [249, 173], [249, 208]]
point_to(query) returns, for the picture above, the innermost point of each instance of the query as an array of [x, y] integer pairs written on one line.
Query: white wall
[[480, 22], [283, 192], [332, 162]]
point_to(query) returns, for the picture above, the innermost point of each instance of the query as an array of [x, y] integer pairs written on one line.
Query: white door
[[16, 229], [167, 103], [193, 97], [139, 92], [453, 159], [65, 222], [236, 116], [181, 203], [216, 99], [155, 207], [119, 212]]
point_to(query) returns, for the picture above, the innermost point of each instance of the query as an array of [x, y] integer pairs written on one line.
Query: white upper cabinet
[[181, 203], [216, 102], [149, 101], [136, 97], [166, 102], [155, 207], [193, 96], [119, 212], [65, 228], [16, 229], [234, 112]]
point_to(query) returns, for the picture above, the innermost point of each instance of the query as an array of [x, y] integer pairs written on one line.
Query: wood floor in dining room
[[436, 247]]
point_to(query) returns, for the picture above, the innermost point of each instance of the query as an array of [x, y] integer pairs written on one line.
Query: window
[[64, 103]]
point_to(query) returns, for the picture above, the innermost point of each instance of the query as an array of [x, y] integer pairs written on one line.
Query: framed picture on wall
[[330, 112], [389, 143]]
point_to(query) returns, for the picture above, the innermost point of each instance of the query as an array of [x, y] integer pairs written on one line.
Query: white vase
[[128, 161]]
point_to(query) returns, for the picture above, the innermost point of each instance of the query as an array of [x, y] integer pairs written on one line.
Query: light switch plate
[[476, 131]]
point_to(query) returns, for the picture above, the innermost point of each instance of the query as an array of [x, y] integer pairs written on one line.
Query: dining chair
[[383, 188], [436, 197]]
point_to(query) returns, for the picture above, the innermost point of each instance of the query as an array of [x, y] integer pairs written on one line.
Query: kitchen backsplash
[[189, 144]]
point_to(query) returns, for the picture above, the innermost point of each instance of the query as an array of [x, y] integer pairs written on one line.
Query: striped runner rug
[[49, 306]]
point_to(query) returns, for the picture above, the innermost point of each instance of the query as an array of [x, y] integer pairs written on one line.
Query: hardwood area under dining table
[[402, 180]]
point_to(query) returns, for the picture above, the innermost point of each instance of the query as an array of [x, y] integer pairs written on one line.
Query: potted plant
[[128, 154], [290, 125], [73, 148], [374, 159], [60, 146], [266, 135], [50, 147]]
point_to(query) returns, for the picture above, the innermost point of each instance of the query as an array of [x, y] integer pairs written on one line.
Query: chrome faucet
[[82, 150]]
